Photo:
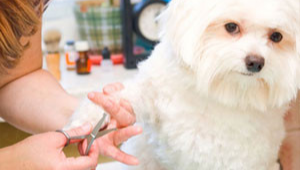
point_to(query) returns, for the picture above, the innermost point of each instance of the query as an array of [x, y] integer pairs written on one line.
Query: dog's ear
[[184, 25]]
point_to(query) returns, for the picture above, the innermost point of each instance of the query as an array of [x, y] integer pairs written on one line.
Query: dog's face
[[243, 53]]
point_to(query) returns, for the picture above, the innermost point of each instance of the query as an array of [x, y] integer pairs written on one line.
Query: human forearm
[[36, 103], [290, 151], [292, 119]]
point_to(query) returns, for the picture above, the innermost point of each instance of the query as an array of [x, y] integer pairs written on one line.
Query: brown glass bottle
[[83, 63]]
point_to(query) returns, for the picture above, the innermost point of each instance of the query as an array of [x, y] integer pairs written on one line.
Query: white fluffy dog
[[213, 94]]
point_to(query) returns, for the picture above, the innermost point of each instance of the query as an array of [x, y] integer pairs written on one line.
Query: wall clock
[[146, 24], [139, 20]]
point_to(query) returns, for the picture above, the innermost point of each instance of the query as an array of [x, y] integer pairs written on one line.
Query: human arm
[[290, 150], [36, 103], [44, 151], [30, 98]]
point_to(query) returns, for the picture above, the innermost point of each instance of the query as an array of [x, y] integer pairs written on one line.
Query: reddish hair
[[17, 18]]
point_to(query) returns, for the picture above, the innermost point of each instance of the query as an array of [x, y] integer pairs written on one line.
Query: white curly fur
[[198, 110]]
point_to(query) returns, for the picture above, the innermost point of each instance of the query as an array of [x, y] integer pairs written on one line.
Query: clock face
[[148, 23]]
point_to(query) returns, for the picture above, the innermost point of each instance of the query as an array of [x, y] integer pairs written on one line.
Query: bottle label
[[89, 65], [70, 58]]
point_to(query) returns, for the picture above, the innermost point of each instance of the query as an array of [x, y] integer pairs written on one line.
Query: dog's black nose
[[254, 63]]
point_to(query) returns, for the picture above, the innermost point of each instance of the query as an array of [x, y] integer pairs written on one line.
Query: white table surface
[[99, 77]]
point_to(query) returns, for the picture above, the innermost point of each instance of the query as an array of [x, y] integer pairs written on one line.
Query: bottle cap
[[106, 53], [82, 46], [70, 42]]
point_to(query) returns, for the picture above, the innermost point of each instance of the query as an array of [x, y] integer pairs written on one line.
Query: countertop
[[99, 77]]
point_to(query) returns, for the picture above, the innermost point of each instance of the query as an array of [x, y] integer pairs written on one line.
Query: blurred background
[[115, 36]]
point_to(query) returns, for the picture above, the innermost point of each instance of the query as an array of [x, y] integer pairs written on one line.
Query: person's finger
[[79, 131], [112, 124], [122, 112], [123, 117], [112, 88], [123, 135], [83, 162], [94, 151], [119, 155], [101, 99], [82, 146], [126, 105]]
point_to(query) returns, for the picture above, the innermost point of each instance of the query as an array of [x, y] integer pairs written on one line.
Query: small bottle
[[106, 53], [70, 55], [52, 39], [83, 63]]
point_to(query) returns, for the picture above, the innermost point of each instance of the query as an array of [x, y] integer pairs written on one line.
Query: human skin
[[290, 150]]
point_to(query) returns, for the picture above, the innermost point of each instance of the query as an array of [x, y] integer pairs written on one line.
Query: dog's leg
[[87, 112], [141, 95], [144, 151]]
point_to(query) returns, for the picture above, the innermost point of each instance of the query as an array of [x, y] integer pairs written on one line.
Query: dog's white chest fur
[[186, 131], [212, 140]]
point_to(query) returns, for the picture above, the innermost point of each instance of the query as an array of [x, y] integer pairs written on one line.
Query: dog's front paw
[[87, 112]]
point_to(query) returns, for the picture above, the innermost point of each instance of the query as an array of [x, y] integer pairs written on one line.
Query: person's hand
[[44, 151], [122, 117], [290, 150]]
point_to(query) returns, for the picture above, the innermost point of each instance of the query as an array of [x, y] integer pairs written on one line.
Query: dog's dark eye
[[276, 37], [232, 28]]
